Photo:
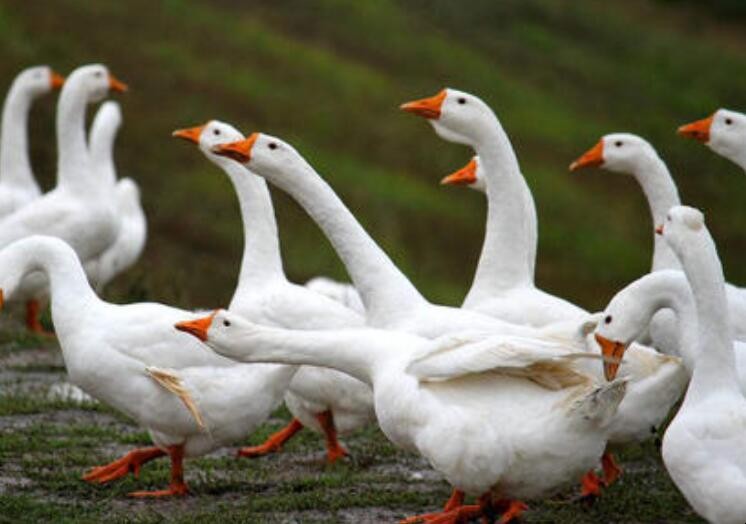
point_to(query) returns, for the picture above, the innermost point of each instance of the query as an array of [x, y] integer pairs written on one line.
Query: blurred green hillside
[[328, 77]]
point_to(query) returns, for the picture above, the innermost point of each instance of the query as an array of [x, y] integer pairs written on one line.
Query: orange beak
[[56, 80], [591, 158], [463, 177], [613, 352], [2, 299], [197, 327], [659, 230], [699, 130], [116, 84], [239, 151], [426, 107], [192, 134]]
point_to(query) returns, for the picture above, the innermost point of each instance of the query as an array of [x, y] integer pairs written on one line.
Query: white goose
[[704, 448], [130, 241], [18, 186], [632, 309], [627, 153], [503, 284], [390, 299], [190, 400], [81, 208], [324, 400], [503, 417], [724, 132]]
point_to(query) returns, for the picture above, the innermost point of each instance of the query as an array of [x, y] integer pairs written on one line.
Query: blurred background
[[328, 77]]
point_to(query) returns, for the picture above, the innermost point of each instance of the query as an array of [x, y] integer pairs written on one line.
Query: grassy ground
[[46, 444]]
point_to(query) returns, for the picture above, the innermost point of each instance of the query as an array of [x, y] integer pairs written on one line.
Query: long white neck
[[661, 192], [715, 368], [262, 261], [669, 289], [15, 164], [70, 291], [73, 162], [356, 352], [509, 251], [740, 157], [385, 291], [103, 133]]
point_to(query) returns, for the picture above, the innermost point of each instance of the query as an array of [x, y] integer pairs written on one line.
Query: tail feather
[[171, 382]]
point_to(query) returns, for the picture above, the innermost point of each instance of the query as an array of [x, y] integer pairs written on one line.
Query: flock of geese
[[512, 396]]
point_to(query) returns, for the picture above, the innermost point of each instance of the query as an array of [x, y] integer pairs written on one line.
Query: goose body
[[129, 356], [503, 284], [130, 241], [489, 412], [631, 154], [322, 399], [18, 186]]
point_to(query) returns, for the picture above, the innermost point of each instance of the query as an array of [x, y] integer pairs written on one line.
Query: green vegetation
[[328, 76]]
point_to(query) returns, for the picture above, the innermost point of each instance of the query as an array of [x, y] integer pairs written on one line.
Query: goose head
[[455, 115], [39, 80], [622, 322], [265, 155], [221, 330], [471, 175], [724, 132], [96, 80], [209, 136], [683, 227], [618, 152]]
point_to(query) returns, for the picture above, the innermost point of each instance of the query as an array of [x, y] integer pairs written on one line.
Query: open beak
[[463, 177], [612, 353], [117, 85], [699, 130], [197, 327], [426, 107], [659, 230], [56, 80], [591, 158], [239, 151], [191, 134]]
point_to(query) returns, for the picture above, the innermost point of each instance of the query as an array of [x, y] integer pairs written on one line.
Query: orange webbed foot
[[274, 443], [591, 487], [130, 463]]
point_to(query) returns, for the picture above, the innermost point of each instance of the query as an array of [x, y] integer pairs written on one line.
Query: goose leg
[[456, 500], [591, 486], [334, 450], [33, 320], [177, 487], [274, 442], [612, 471], [130, 463]]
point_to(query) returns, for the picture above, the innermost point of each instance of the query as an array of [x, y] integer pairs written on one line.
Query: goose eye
[[97, 74], [272, 145], [618, 143], [216, 132], [668, 217], [728, 121], [462, 100], [607, 320], [226, 323]]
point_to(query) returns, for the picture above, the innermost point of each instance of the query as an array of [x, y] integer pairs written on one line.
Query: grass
[[46, 445]]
